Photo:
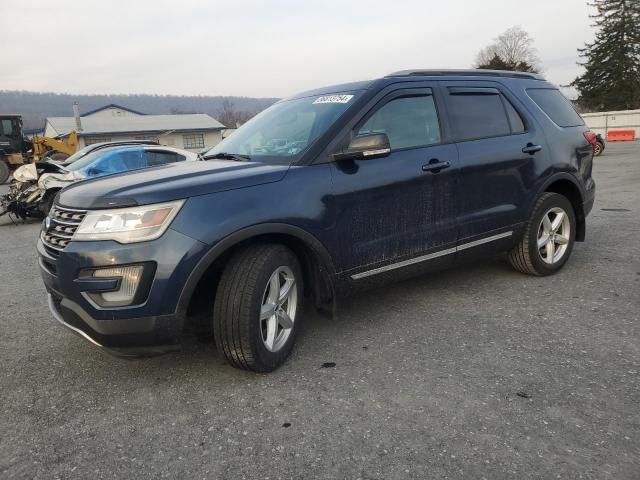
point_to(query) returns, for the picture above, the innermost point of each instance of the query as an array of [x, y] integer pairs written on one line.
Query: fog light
[[129, 279]]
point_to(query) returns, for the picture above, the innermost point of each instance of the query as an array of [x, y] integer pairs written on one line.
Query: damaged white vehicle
[[35, 185]]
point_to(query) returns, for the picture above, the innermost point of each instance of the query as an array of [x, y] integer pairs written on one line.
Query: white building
[[602, 122], [114, 122]]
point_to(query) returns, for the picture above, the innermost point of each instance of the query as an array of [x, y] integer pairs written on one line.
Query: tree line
[[36, 106]]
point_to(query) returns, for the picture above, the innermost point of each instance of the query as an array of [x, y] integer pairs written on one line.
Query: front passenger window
[[407, 121]]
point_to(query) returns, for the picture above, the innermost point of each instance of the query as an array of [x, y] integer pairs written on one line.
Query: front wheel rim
[[278, 309], [554, 235]]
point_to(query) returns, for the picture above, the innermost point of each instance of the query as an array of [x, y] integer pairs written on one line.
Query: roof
[[143, 123], [112, 105], [479, 72]]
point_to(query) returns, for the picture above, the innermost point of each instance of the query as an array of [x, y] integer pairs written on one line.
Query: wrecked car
[[35, 185]]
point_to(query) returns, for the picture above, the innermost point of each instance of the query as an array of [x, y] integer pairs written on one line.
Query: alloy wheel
[[278, 310], [597, 149], [554, 234]]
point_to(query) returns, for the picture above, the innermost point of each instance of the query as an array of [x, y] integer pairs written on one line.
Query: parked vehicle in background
[[321, 194], [101, 145], [598, 146], [35, 185]]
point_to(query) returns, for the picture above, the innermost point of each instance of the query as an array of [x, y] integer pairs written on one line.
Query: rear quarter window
[[556, 106]]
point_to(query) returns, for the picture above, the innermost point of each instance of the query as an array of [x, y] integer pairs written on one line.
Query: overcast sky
[[264, 48]]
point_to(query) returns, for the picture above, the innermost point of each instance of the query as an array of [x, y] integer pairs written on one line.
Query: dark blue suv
[[323, 193]]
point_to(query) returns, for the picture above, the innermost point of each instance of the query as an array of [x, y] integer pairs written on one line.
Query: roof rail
[[474, 72]]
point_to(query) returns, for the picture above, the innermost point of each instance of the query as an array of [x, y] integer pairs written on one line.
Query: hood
[[58, 180], [30, 172], [170, 182]]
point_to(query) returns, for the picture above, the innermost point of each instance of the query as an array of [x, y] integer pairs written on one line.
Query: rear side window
[[556, 106], [476, 114], [409, 122], [156, 158]]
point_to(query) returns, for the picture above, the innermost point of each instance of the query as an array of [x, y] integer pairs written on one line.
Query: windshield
[[108, 161], [79, 154], [285, 129]]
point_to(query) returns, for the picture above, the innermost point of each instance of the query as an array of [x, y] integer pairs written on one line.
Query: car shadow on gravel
[[201, 361]]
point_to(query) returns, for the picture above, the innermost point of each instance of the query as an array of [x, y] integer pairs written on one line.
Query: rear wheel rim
[[278, 309], [597, 149], [554, 235]]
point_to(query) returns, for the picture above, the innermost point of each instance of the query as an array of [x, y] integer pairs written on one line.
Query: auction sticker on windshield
[[333, 99]]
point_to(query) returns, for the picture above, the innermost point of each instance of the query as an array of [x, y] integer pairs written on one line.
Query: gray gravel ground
[[425, 384]]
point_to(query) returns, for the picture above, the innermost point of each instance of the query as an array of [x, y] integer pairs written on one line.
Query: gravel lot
[[476, 372]]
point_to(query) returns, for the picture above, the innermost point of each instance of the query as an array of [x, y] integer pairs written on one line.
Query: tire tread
[[233, 304]]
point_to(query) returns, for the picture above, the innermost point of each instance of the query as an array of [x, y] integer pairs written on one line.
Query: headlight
[[128, 225], [26, 173]]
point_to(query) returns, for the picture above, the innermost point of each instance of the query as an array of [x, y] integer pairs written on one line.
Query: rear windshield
[[556, 106]]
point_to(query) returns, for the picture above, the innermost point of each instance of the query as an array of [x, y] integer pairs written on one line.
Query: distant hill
[[36, 106]]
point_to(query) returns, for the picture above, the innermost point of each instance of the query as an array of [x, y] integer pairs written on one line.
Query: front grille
[[63, 223]]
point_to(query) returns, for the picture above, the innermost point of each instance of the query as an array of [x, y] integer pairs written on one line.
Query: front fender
[[235, 238]]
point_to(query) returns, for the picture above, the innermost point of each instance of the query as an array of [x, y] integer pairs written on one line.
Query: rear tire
[[258, 307], [548, 238], [5, 171]]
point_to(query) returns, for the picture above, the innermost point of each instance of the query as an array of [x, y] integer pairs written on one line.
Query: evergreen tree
[[497, 63], [611, 80]]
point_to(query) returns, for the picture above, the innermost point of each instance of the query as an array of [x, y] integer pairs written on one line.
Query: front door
[[393, 211]]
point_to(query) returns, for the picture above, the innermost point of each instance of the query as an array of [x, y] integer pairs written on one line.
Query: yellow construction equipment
[[53, 148], [16, 149]]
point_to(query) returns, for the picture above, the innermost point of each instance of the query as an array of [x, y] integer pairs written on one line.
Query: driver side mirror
[[374, 145]]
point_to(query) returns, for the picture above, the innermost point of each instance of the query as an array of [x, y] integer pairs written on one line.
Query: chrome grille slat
[[63, 224]]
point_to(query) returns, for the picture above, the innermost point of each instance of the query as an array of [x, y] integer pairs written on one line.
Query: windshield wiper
[[228, 156]]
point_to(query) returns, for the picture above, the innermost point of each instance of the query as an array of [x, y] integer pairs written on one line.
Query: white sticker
[[333, 99]]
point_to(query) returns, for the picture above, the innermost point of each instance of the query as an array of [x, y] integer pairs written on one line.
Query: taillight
[[591, 137]]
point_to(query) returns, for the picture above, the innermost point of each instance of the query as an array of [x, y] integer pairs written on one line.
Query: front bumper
[[150, 327], [139, 337]]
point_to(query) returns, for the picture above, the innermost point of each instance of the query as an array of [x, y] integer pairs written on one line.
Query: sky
[[263, 48]]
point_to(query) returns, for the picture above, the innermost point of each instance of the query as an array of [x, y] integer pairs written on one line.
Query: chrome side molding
[[431, 256]]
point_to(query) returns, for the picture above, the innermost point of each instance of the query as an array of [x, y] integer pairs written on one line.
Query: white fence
[[602, 122]]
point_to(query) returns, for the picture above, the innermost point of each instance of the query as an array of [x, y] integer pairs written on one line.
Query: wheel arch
[[315, 261], [565, 184]]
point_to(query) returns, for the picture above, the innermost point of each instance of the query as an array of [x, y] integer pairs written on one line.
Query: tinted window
[[407, 121], [556, 106], [6, 127], [155, 158], [517, 125], [477, 115]]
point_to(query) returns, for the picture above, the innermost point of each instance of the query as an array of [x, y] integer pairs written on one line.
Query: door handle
[[531, 148], [435, 166]]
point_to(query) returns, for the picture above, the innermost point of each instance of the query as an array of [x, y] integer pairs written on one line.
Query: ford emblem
[[47, 223]]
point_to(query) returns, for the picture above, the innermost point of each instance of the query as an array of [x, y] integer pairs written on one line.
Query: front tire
[[549, 237], [257, 308]]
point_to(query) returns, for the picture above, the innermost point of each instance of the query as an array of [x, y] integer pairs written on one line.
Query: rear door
[[392, 211], [500, 148]]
